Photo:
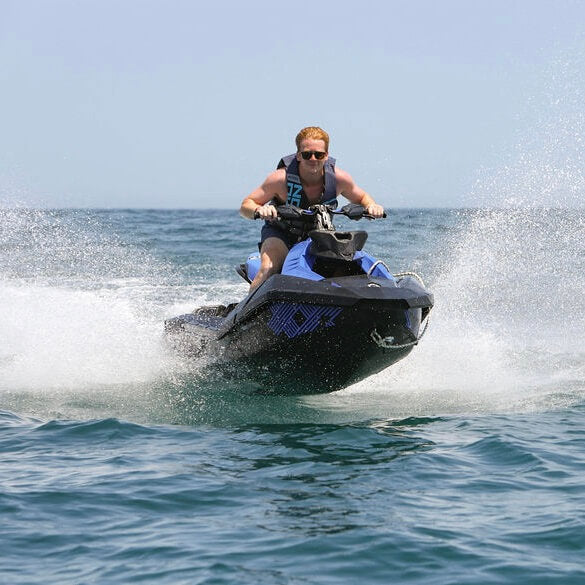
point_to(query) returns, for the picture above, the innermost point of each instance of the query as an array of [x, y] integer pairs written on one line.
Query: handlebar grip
[[258, 216], [368, 216]]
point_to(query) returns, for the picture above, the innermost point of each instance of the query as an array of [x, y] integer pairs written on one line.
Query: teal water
[[120, 463]]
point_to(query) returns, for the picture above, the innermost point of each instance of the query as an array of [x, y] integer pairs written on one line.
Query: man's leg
[[272, 255]]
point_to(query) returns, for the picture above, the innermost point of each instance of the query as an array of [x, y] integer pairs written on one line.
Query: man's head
[[314, 133], [312, 150]]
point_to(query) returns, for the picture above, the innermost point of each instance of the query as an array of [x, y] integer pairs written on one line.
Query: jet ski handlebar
[[292, 213], [354, 211]]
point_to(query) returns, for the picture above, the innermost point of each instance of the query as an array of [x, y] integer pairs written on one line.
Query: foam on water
[[77, 304], [57, 337]]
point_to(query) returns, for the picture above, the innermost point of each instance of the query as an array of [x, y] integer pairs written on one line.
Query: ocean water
[[120, 463]]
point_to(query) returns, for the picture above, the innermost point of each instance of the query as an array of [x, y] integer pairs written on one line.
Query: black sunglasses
[[307, 154]]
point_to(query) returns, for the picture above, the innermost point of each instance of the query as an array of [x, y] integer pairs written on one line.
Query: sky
[[188, 104]]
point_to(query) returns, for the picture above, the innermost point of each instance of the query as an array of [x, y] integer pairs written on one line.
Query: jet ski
[[333, 316]]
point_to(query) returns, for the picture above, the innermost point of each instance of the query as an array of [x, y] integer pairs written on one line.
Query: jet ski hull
[[296, 336]]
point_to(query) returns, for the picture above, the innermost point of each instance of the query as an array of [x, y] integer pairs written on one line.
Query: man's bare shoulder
[[275, 184], [344, 179], [277, 177]]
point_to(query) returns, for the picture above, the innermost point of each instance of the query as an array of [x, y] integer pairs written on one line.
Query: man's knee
[[273, 254]]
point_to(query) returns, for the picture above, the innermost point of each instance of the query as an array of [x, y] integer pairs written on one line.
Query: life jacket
[[296, 194]]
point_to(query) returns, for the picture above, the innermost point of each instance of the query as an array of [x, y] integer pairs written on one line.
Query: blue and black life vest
[[296, 194]]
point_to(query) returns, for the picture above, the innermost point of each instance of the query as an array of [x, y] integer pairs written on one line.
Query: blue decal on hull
[[297, 319]]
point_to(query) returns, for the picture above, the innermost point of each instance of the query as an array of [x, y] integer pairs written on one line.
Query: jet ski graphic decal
[[298, 318]]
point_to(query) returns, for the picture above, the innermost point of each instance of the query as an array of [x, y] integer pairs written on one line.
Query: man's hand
[[375, 210], [265, 212]]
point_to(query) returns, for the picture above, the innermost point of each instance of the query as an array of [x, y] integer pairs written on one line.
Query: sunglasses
[[307, 154]]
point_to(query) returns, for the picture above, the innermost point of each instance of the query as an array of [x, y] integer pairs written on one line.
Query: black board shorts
[[271, 231]]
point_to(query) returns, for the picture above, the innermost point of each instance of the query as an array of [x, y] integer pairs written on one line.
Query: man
[[307, 178]]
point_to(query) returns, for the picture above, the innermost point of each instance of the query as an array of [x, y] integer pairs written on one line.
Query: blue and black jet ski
[[333, 316]]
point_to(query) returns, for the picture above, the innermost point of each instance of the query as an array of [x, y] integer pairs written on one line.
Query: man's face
[[310, 144]]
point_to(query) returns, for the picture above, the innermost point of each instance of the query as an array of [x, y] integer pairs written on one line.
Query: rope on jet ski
[[413, 274], [386, 342], [397, 275]]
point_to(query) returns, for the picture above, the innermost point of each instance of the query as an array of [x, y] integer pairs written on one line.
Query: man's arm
[[355, 194], [273, 186]]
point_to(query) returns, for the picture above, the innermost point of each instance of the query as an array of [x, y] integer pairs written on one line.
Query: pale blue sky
[[172, 103]]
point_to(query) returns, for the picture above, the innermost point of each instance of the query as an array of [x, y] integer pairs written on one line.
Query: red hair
[[315, 133]]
